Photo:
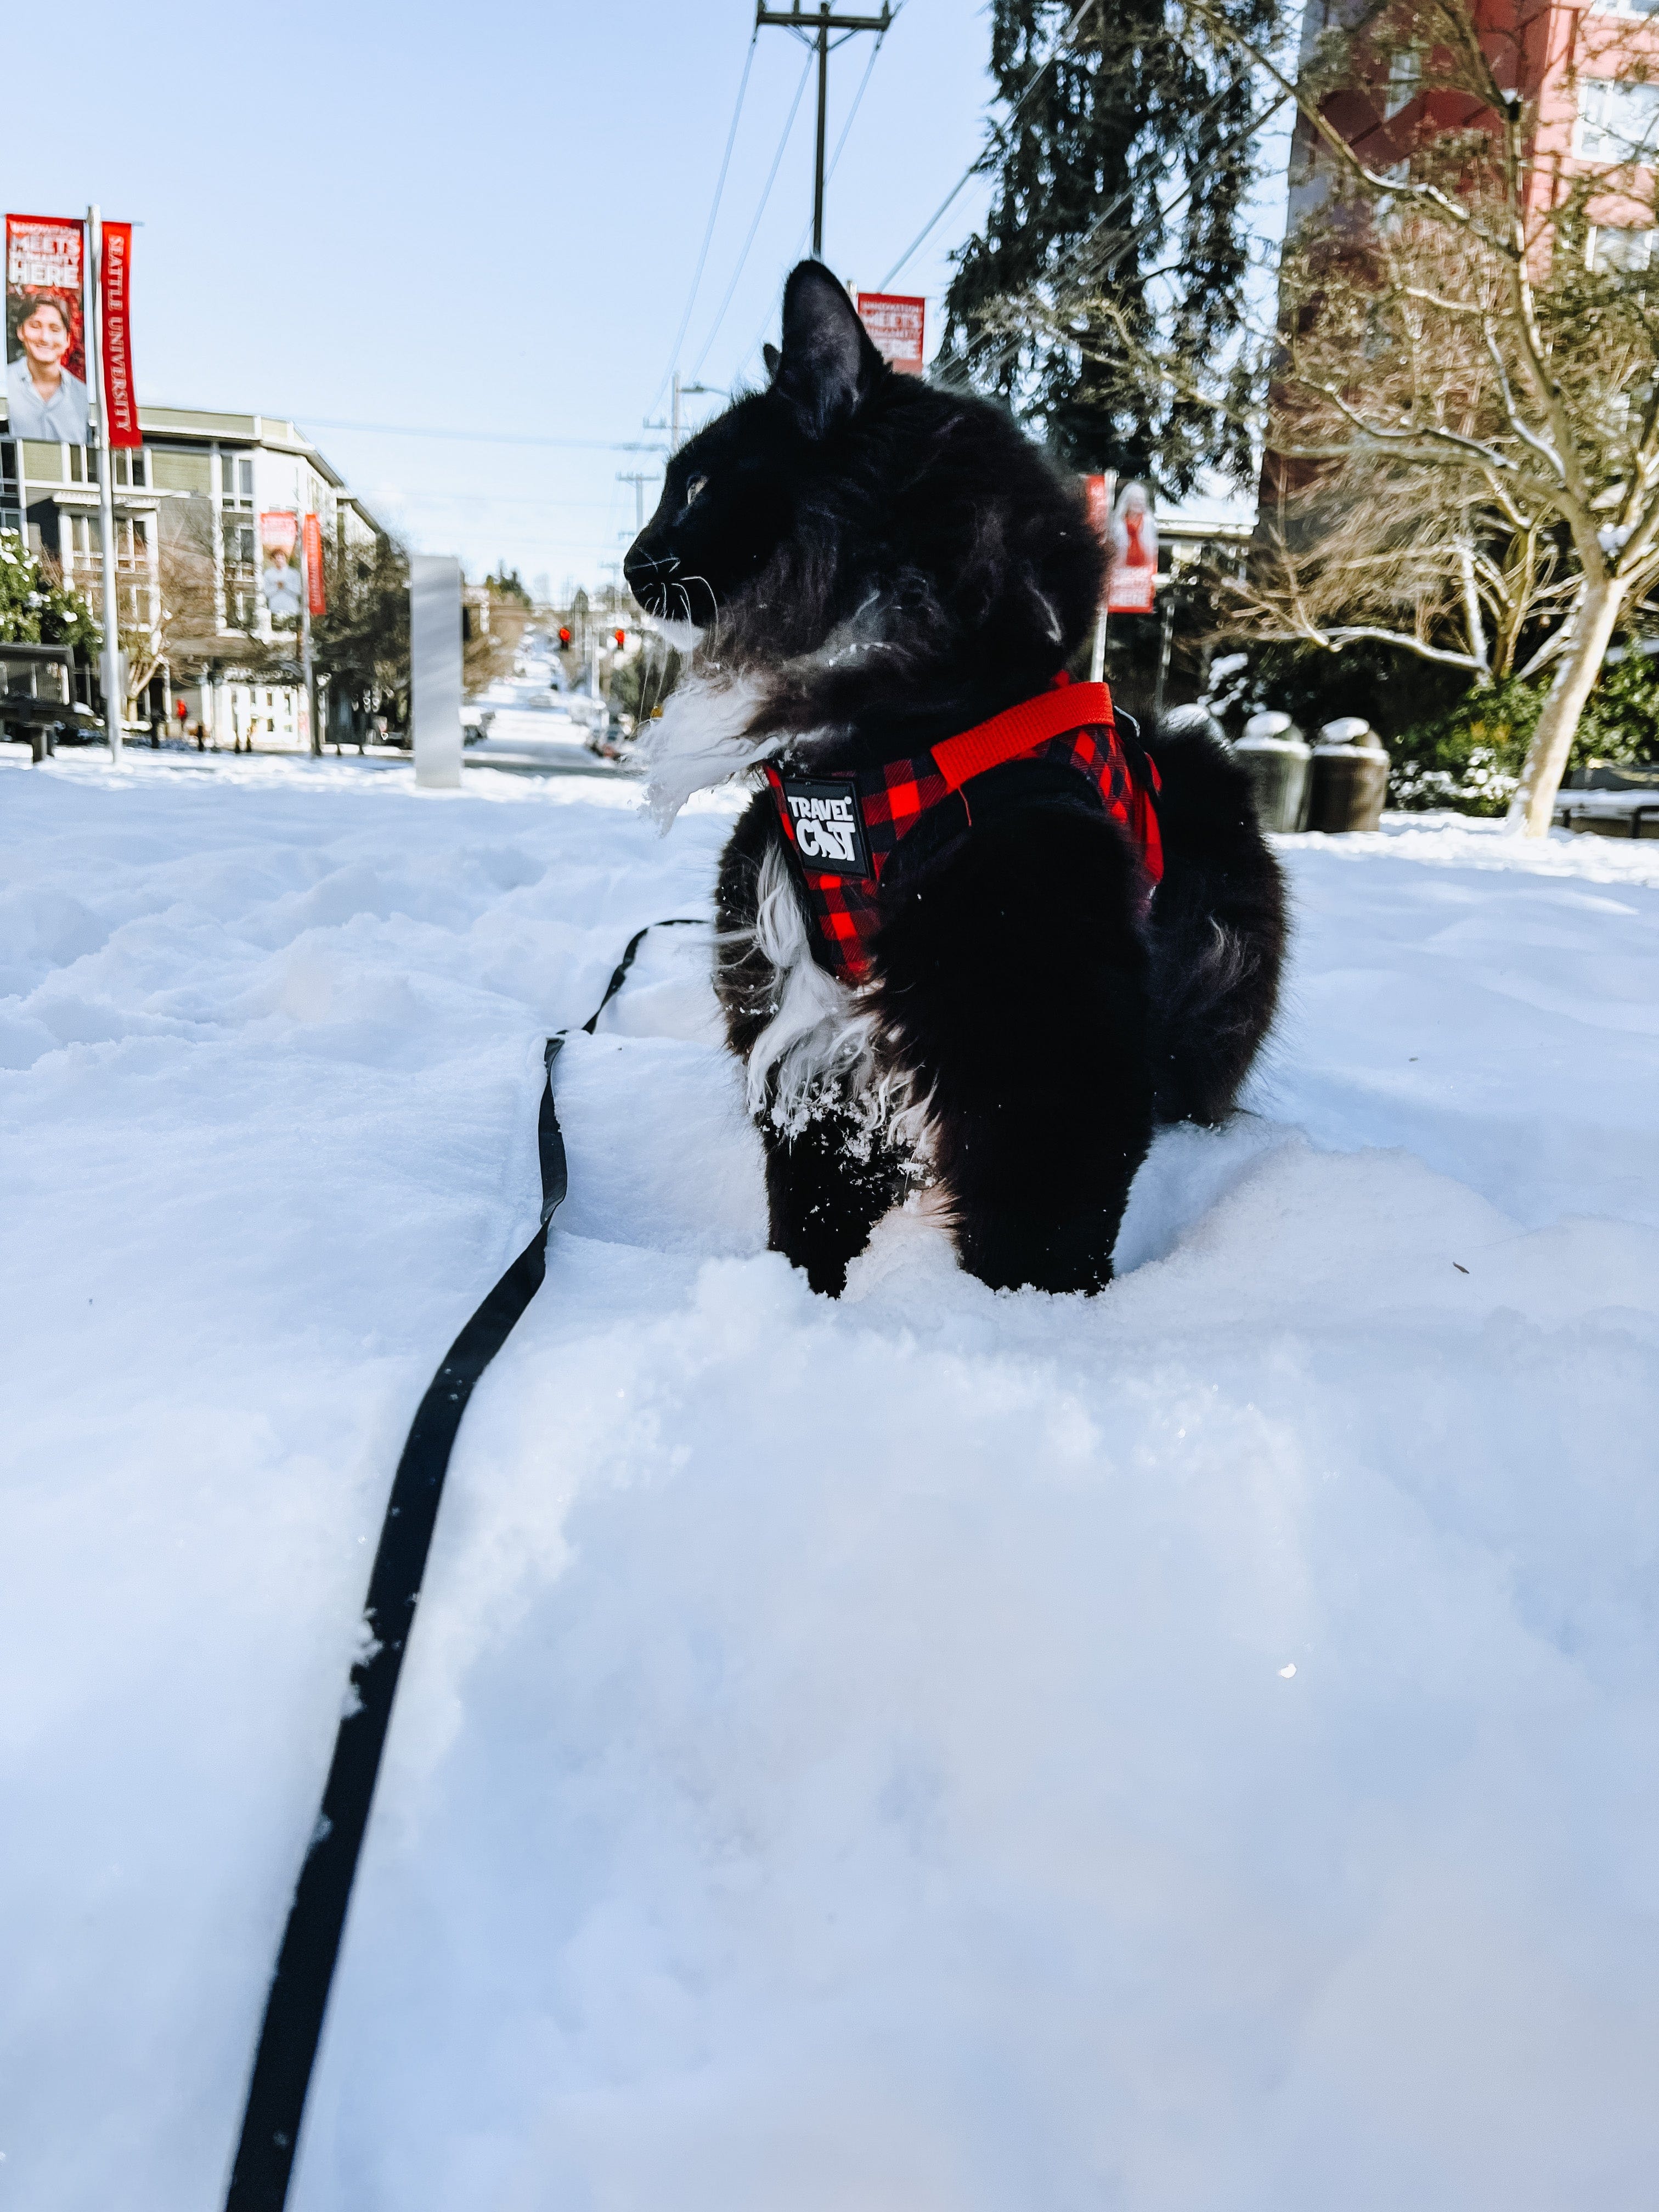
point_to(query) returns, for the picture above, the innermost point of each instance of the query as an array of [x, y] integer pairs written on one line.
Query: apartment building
[[1577, 65], [200, 481]]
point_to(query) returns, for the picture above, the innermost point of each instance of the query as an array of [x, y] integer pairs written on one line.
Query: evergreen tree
[[361, 644], [507, 584], [1123, 163]]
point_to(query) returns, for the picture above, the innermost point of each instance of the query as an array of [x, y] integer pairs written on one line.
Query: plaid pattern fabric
[[893, 798]]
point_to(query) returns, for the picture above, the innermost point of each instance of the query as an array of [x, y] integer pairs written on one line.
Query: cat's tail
[[1219, 926]]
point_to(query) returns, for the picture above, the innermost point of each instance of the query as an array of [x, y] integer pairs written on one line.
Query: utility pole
[[815, 27], [676, 433], [93, 273], [639, 478]]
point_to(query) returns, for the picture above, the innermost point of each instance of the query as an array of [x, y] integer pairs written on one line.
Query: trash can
[[1193, 721], [1273, 750], [1349, 779]]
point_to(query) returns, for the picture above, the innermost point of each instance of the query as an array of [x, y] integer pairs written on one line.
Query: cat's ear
[[828, 364], [771, 356]]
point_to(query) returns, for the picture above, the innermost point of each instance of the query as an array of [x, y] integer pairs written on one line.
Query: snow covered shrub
[[1620, 723], [36, 606], [1470, 758]]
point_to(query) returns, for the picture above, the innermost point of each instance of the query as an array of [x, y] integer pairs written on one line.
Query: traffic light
[[564, 640], [622, 638]]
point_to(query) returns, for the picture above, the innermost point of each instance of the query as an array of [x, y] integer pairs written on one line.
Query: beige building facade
[[189, 560]]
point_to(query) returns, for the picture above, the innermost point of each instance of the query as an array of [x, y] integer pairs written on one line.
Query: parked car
[[475, 724]]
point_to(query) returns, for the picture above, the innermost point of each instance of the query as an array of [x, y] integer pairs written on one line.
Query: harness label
[[827, 826]]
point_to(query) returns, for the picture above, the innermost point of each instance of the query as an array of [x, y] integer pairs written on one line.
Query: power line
[[1161, 215], [483, 437], [1077, 290], [708, 233], [819, 29], [422, 498], [869, 70], [777, 159], [949, 201], [835, 163]]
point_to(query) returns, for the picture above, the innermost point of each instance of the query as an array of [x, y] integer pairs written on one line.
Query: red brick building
[[1579, 70]]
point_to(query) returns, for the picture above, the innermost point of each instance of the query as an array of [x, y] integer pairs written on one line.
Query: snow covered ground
[[1196, 1748]]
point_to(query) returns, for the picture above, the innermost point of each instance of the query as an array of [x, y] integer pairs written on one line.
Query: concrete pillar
[[434, 656]]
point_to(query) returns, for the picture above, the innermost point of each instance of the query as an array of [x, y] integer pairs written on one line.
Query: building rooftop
[[203, 426]]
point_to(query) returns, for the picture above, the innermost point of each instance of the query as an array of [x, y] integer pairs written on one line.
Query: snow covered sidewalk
[[1194, 1748]]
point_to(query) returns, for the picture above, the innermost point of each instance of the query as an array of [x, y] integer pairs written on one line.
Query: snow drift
[[1194, 1748]]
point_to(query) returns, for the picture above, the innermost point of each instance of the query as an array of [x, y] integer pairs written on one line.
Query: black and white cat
[[871, 566]]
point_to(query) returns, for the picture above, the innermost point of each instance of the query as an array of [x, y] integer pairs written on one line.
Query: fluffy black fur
[[887, 563]]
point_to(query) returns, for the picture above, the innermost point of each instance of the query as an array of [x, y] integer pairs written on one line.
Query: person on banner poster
[[281, 585], [1132, 554], [44, 399]]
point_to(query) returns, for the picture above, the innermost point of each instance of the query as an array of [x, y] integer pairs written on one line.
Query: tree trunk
[[1533, 803]]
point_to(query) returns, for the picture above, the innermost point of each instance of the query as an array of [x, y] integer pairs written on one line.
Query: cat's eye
[[695, 487]]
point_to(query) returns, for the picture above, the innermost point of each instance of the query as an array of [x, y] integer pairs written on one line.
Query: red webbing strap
[[1022, 729]]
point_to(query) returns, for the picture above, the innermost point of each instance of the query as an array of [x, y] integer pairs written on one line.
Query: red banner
[[316, 598], [895, 321], [46, 348], [120, 400], [1098, 491]]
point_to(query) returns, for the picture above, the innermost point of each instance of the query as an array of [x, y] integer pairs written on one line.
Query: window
[[1620, 250], [1618, 121], [1405, 76], [236, 518]]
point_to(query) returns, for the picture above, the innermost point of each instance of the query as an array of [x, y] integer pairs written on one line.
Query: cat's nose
[[645, 574]]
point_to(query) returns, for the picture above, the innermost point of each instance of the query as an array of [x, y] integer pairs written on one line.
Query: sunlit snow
[[1194, 1748]]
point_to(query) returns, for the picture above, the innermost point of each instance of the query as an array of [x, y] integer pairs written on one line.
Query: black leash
[[298, 1996]]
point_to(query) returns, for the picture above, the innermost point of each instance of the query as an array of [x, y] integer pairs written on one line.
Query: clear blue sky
[[484, 219]]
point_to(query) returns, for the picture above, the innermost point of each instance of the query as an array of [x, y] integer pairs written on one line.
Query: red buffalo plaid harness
[[846, 828]]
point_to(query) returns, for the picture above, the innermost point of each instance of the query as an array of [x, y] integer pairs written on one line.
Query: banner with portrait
[[1131, 553], [45, 337], [279, 578]]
